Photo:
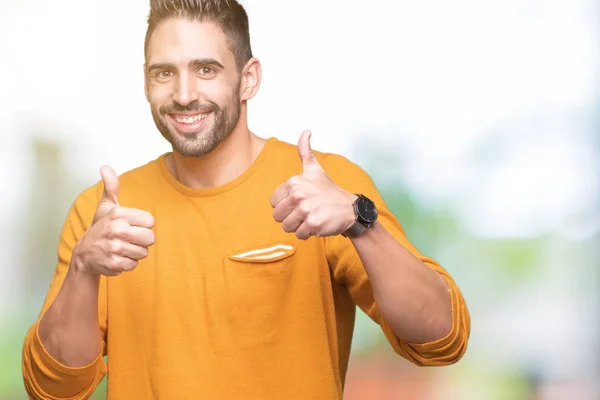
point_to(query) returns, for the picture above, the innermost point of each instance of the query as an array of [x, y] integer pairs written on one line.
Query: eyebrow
[[199, 61]]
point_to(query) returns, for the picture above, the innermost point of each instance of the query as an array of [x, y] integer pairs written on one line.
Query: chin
[[193, 145]]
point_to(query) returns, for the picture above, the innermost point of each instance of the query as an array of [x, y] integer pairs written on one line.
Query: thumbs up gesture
[[311, 204], [118, 238]]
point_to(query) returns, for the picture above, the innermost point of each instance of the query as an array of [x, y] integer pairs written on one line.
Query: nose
[[186, 91]]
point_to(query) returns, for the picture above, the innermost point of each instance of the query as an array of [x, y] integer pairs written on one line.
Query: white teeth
[[191, 120]]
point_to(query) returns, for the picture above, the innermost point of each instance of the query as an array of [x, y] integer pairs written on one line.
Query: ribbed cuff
[[451, 336], [58, 367], [438, 352]]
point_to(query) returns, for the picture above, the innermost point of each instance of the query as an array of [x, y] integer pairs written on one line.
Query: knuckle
[[116, 232], [115, 246], [115, 212], [297, 195], [294, 181], [314, 222], [118, 229], [114, 262], [121, 265], [305, 209]]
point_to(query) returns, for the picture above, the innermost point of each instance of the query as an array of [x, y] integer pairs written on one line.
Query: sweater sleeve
[[45, 377], [347, 269]]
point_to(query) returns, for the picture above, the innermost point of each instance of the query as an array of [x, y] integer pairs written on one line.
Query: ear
[[146, 84], [250, 80]]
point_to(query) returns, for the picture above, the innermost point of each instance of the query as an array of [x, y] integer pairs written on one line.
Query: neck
[[225, 163]]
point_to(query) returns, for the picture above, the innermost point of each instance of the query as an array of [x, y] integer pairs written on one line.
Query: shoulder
[[141, 176], [333, 163], [348, 175], [336, 164], [344, 172]]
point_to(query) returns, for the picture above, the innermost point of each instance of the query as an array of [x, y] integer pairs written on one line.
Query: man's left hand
[[311, 204]]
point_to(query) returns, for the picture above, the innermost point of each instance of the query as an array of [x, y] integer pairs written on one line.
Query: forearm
[[69, 330], [413, 298]]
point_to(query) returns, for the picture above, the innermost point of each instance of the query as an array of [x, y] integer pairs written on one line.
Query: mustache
[[194, 106]]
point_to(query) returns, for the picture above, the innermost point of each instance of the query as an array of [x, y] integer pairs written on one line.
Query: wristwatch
[[366, 215]]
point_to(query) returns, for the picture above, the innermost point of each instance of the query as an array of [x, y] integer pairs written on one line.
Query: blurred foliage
[[52, 192]]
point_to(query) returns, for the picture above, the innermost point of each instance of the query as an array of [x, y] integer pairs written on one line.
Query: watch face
[[366, 210]]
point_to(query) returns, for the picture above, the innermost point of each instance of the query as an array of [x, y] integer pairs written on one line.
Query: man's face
[[192, 84]]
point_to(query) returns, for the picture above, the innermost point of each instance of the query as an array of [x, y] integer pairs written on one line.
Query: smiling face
[[192, 84]]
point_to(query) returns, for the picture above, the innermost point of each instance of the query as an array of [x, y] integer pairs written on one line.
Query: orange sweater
[[227, 305]]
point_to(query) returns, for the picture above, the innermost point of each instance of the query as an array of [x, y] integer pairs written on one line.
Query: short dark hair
[[228, 14]]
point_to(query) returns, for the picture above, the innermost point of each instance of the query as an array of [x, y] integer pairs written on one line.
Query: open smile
[[190, 122]]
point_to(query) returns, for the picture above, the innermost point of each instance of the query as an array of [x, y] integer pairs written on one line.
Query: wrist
[[77, 266], [351, 213], [364, 216]]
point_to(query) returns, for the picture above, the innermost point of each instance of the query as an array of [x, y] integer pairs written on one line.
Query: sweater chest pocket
[[258, 293]]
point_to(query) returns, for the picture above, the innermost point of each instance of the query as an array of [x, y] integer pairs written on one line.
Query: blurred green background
[[478, 121]]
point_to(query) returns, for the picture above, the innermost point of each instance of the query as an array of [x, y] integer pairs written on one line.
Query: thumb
[[111, 185], [309, 161]]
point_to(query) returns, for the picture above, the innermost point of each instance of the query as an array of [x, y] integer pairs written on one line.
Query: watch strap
[[355, 230]]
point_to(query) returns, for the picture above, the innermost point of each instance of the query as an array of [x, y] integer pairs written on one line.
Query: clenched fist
[[311, 204], [118, 238]]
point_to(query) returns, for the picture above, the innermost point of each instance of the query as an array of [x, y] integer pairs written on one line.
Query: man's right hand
[[118, 238]]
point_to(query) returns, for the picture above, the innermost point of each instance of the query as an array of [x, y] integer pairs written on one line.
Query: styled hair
[[228, 14]]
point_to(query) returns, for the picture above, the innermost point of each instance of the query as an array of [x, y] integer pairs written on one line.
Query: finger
[[279, 194], [303, 232], [283, 209], [309, 160], [140, 236], [118, 264], [110, 272], [133, 251], [134, 216], [293, 221], [111, 185], [128, 264]]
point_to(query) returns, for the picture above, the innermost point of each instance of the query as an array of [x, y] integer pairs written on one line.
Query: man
[[229, 268]]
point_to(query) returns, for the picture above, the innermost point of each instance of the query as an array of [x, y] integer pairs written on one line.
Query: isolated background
[[478, 120]]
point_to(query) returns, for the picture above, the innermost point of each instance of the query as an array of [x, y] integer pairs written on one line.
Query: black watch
[[366, 215]]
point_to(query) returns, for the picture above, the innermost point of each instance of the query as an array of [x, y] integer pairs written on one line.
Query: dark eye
[[205, 70], [163, 75]]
